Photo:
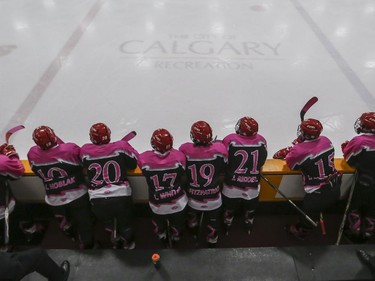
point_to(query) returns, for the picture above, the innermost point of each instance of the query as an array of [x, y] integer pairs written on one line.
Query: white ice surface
[[141, 65]]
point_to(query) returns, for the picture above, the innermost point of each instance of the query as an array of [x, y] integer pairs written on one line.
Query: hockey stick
[[197, 236], [341, 230], [290, 201], [129, 136], [322, 224], [114, 234], [10, 132], [307, 106], [200, 227], [6, 214], [169, 237]]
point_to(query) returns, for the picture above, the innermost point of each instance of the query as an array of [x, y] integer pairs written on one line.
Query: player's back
[[360, 152], [107, 167], [204, 163], [61, 171], [163, 173], [204, 166], [315, 159], [62, 153], [246, 156]]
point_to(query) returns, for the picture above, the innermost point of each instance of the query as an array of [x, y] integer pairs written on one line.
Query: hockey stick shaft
[[115, 228], [6, 214], [10, 132], [290, 201], [307, 106], [169, 235], [199, 230], [322, 224], [341, 229], [129, 136]]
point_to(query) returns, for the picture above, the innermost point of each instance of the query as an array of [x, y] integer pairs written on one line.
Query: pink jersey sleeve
[[11, 166]]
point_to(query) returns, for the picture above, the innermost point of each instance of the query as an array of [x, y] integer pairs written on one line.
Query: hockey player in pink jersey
[[205, 162], [11, 169], [313, 155], [163, 168], [60, 168], [359, 153], [247, 154], [110, 192]]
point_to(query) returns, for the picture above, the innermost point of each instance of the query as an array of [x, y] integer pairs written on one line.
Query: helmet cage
[[365, 123], [358, 126]]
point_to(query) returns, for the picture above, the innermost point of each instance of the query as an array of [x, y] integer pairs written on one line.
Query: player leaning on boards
[[205, 161], [359, 153], [11, 168], [163, 168], [313, 155], [247, 153], [60, 168], [109, 189]]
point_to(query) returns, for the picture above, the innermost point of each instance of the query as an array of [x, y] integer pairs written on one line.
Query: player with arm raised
[[313, 155], [58, 165], [163, 168], [359, 153], [11, 169], [205, 161], [247, 153], [109, 189]]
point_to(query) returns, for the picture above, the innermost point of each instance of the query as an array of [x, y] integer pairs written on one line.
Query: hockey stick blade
[[129, 136], [12, 131], [307, 106]]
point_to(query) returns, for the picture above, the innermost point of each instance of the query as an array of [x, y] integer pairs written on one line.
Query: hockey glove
[[9, 151], [282, 153]]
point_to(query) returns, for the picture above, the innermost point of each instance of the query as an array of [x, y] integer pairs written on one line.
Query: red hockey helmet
[[365, 123], [247, 126], [161, 140], [310, 129], [44, 137], [100, 133], [201, 133]]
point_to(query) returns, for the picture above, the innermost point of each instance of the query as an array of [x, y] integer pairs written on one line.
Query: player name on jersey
[[62, 183], [245, 179]]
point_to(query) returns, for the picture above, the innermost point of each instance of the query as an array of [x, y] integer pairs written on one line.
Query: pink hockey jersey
[[246, 156], [163, 173], [315, 159], [61, 172], [107, 167], [10, 168], [204, 165]]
